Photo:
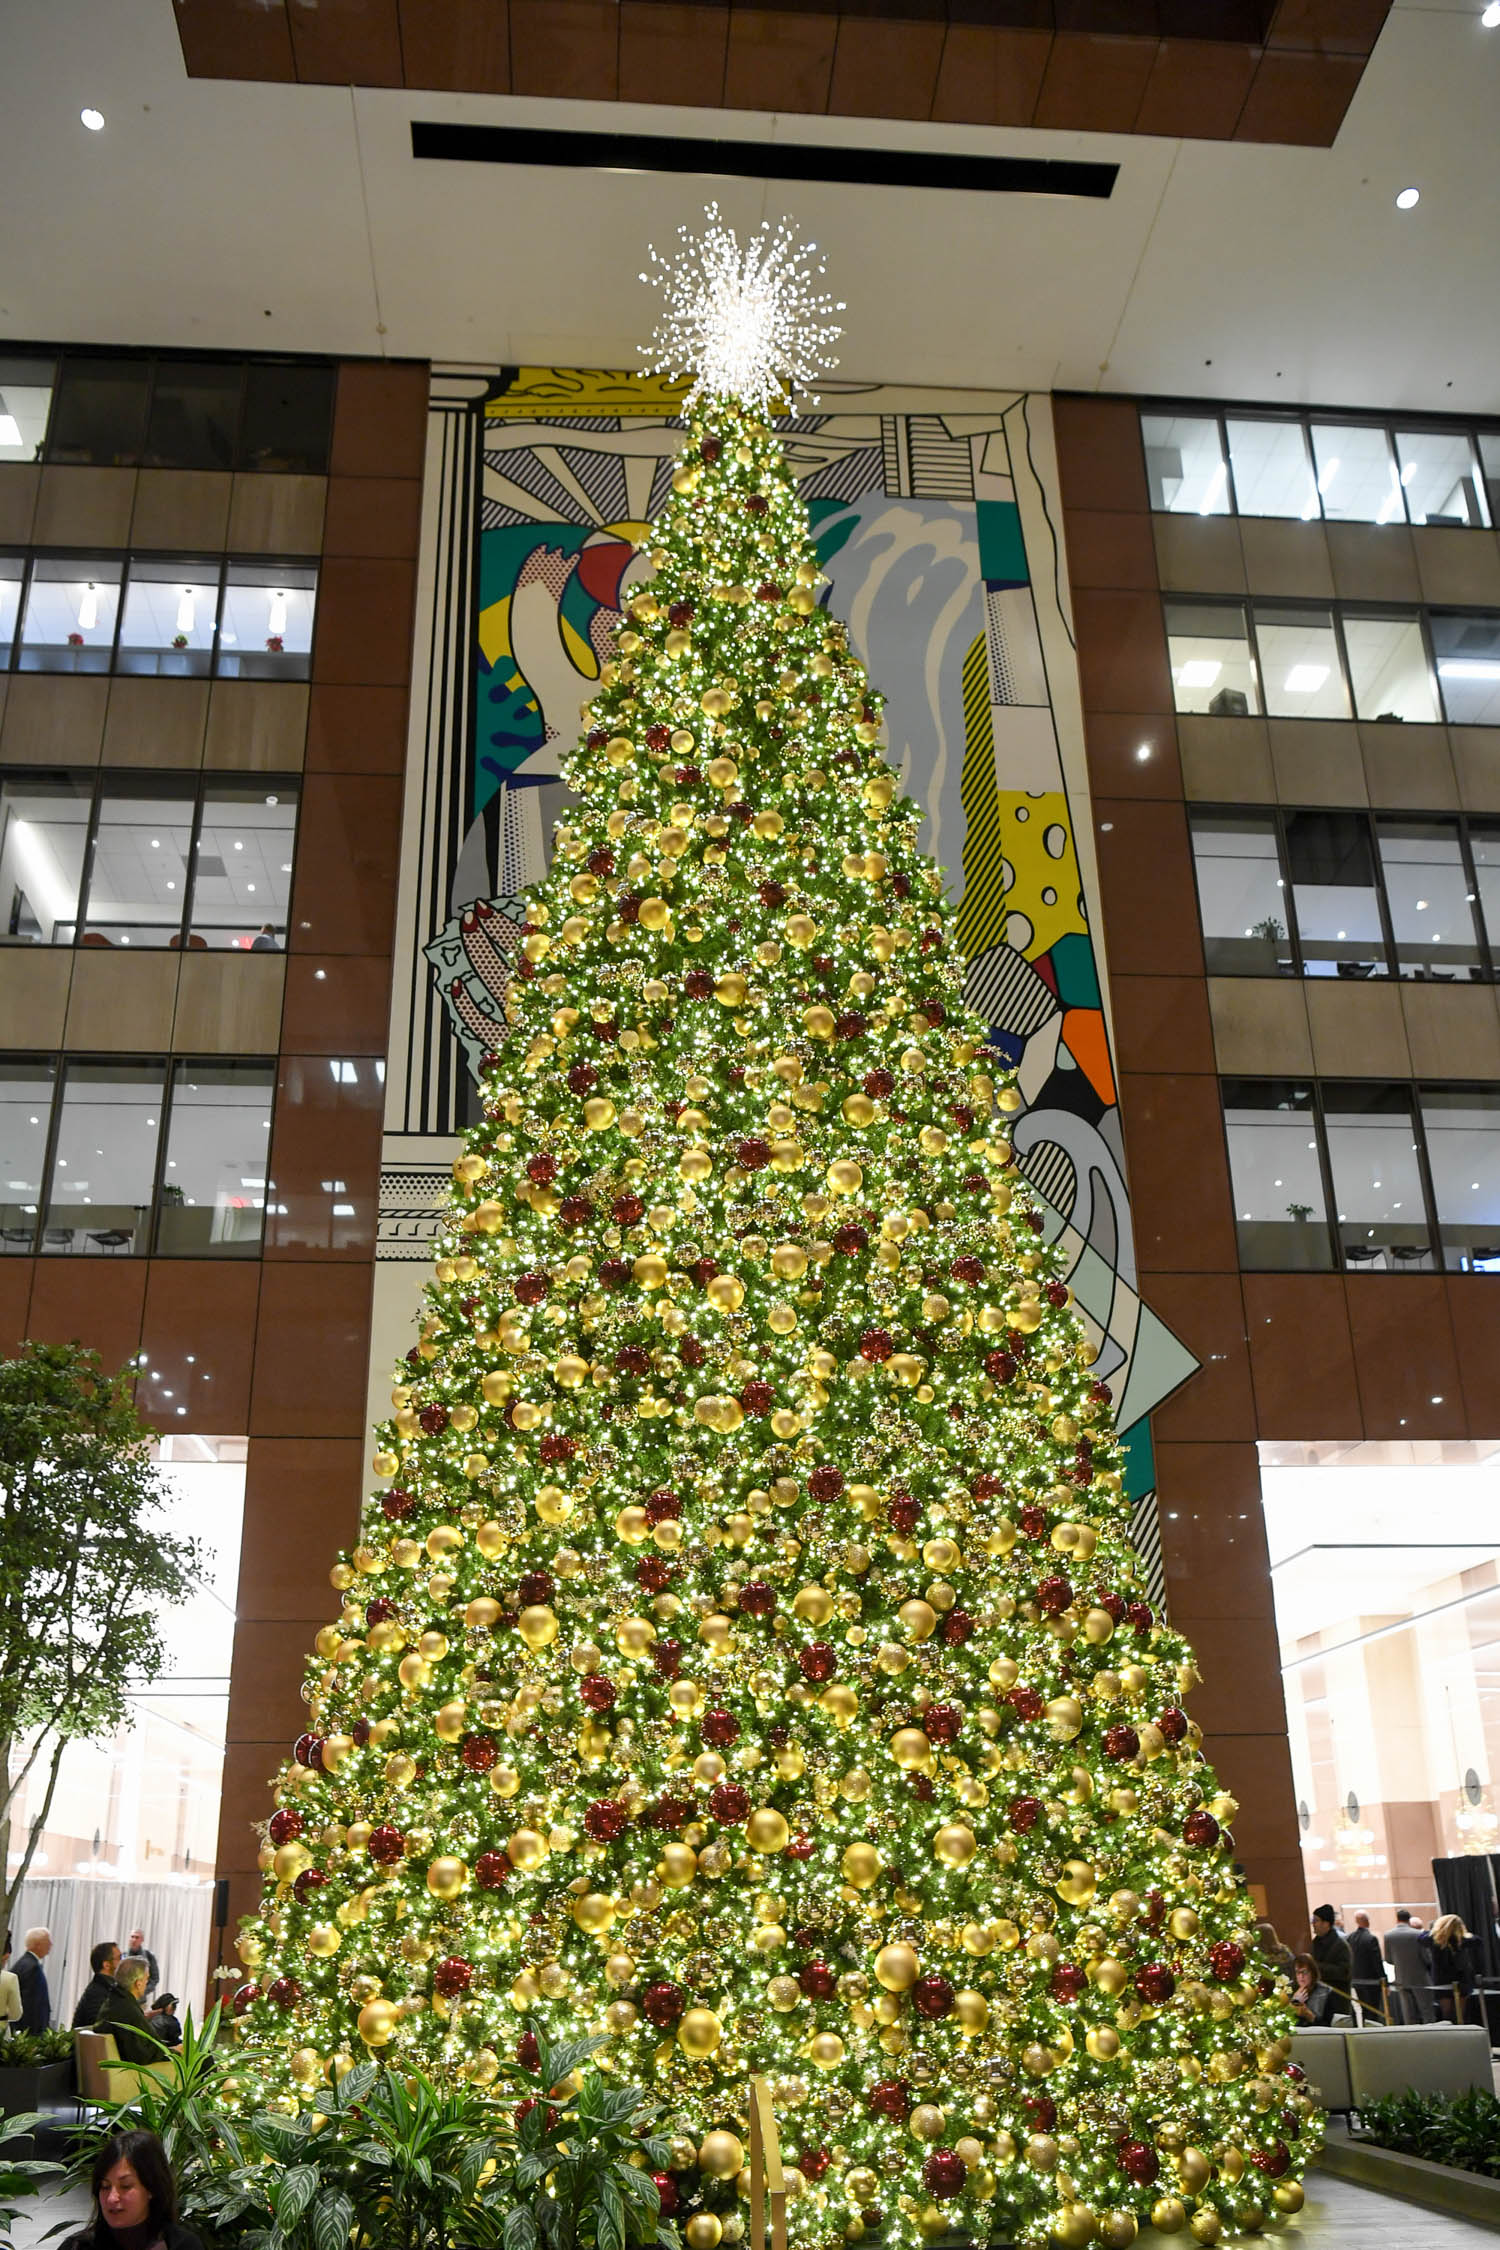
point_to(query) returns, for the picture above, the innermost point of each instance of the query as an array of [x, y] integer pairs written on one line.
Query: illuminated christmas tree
[[744, 1656]]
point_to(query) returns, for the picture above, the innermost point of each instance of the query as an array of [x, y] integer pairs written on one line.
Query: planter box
[[33, 2087], [1437, 2187]]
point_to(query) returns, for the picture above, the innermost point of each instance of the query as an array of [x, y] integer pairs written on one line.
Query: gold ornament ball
[[1077, 1883], [783, 1994], [324, 1940], [971, 2011], [918, 1619], [897, 1967], [1195, 2170], [911, 1749], [1168, 2214], [927, 2122], [827, 2050], [306, 2066], [289, 1861], [721, 2155], [1207, 2226], [621, 2016], [593, 1912], [766, 1830], [955, 1845], [1073, 2226], [861, 1866], [377, 2022], [682, 2153], [619, 1970], [249, 1949], [537, 1626], [1041, 2152], [1118, 2229], [1103, 2042], [679, 1864], [703, 2231], [527, 1850], [1288, 2195], [446, 1877], [699, 2033], [861, 2185]]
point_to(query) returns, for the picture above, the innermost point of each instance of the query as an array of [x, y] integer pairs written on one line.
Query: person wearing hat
[[1330, 1950]]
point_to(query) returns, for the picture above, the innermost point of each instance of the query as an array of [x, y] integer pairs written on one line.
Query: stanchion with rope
[[766, 2175]]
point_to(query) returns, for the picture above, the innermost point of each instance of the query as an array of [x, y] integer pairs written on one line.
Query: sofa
[[1346, 2068]]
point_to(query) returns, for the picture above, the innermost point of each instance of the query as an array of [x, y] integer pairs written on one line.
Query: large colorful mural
[[934, 525]]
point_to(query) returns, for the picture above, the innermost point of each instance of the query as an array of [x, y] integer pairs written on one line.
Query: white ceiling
[[257, 216]]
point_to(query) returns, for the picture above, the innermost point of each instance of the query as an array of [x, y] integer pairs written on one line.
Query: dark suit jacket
[[123, 2015], [90, 2001], [36, 1999]]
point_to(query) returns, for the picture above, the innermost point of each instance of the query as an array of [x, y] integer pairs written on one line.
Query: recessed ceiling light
[[1491, 17], [1305, 679], [93, 119], [1408, 199]]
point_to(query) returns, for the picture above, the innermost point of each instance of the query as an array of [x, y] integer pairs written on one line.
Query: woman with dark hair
[[1312, 1999], [135, 2199]]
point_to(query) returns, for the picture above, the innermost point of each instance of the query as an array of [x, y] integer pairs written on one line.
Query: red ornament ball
[[529, 2051], [452, 1976], [729, 1804], [1053, 1596], [1272, 2161], [308, 1749], [849, 1241], [957, 1627], [812, 2163], [285, 1992], [825, 1483], [753, 1155], [537, 1587], [757, 1398], [662, 2004], [932, 1996], [817, 1662], [597, 1691], [1121, 1743], [285, 1826], [1138, 2162], [541, 1169], [245, 1998], [492, 1870], [943, 2174], [663, 1506], [1200, 1829], [386, 1845], [311, 1879], [1156, 1983], [666, 2192], [1226, 1959], [818, 1980], [719, 1728], [968, 1270], [531, 1288], [800, 1847], [1068, 1980], [626, 1210], [875, 1345], [1024, 1813], [396, 1506], [666, 1659], [942, 1722], [757, 1599], [478, 1753], [605, 1820], [1173, 1723], [890, 2098], [905, 1513]]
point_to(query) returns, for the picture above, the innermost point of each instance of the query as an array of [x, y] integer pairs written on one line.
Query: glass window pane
[[25, 401], [1332, 872], [1377, 1179], [242, 878], [1388, 669], [44, 828], [1441, 477], [1272, 472], [1357, 478], [1241, 896], [138, 873], [105, 1166], [1484, 846], [1489, 455], [1427, 892], [69, 624], [168, 625], [195, 412], [1466, 651], [99, 414], [25, 1114], [11, 572], [213, 1183], [1462, 1129], [288, 414], [1299, 663], [1185, 464], [266, 629], [1279, 1207], [1208, 648]]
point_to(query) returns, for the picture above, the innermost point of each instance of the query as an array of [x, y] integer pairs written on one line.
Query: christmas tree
[[744, 1657]]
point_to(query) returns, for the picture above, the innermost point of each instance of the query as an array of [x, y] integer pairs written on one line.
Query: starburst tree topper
[[746, 321]]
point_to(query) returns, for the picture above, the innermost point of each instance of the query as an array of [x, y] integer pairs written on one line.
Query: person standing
[[1407, 1954], [104, 1960], [36, 1997], [1331, 1952], [138, 1950], [1369, 1972], [10, 1991], [1454, 1968]]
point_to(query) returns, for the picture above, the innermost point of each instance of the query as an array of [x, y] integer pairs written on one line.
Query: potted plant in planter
[[35, 2067]]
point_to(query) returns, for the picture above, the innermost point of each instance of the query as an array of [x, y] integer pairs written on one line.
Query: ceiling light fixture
[[276, 614], [1305, 679], [1491, 17], [1330, 471], [185, 611], [10, 428], [1408, 199], [1199, 671], [1466, 668], [88, 609], [93, 119]]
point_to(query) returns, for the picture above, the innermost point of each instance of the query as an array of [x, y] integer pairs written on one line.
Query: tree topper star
[[746, 321]]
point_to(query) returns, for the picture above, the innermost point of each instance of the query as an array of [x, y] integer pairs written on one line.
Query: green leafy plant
[[188, 2107], [33, 2050], [585, 2154], [21, 2177], [1461, 2130]]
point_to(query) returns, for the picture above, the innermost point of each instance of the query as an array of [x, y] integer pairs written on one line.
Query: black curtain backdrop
[[1466, 1886]]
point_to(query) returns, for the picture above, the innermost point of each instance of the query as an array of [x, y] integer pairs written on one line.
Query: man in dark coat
[[1331, 1953], [1369, 1971], [104, 1960], [123, 2015], [36, 1999]]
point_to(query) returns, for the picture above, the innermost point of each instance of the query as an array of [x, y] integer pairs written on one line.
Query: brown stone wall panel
[[1405, 1356], [1255, 1765], [302, 1501], [228, 1003], [1205, 1312], [198, 1335], [1198, 554], [1454, 565], [1225, 761], [98, 1303], [1094, 83], [1452, 1030], [337, 1004], [1179, 1175], [244, 1799], [380, 418], [15, 1297], [1317, 762], [18, 490], [265, 1685], [1408, 766], [1286, 560], [357, 729], [990, 74], [348, 848], [1150, 897], [1241, 1667], [1122, 651], [779, 61], [235, 39], [1328, 27], [1100, 460], [1162, 1023], [346, 42], [185, 509], [84, 508], [884, 68], [1358, 1030], [1476, 763], [364, 623], [1196, 89], [325, 1149], [456, 46], [379, 516], [122, 1003], [1283, 1880], [1372, 562], [1132, 754], [155, 722], [1299, 99], [51, 720], [672, 54], [256, 726], [311, 1351], [1474, 1310], [1260, 1026], [1301, 1356], [1110, 547], [34, 983], [1213, 1529], [565, 47], [276, 515]]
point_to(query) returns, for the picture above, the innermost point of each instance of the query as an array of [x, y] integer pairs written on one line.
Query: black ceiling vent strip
[[761, 160]]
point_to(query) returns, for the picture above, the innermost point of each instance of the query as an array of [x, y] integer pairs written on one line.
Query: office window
[[213, 1183], [1280, 1209], [168, 621], [137, 886], [1300, 669], [1273, 473], [44, 828], [1241, 895], [195, 411], [104, 1163], [1429, 898], [1484, 849], [1440, 477], [26, 1088], [12, 571], [266, 629], [1377, 1179], [1489, 461], [242, 876], [1388, 669], [1466, 650], [25, 402], [1461, 1127], [1332, 872], [1185, 465], [1208, 648], [287, 418], [1357, 477], [99, 413], [71, 606]]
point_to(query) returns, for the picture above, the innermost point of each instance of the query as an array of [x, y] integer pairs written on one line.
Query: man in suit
[[1407, 1954], [1369, 1976], [104, 1960], [36, 2000]]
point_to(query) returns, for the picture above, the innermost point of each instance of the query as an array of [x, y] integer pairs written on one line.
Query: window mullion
[[1325, 1165]]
